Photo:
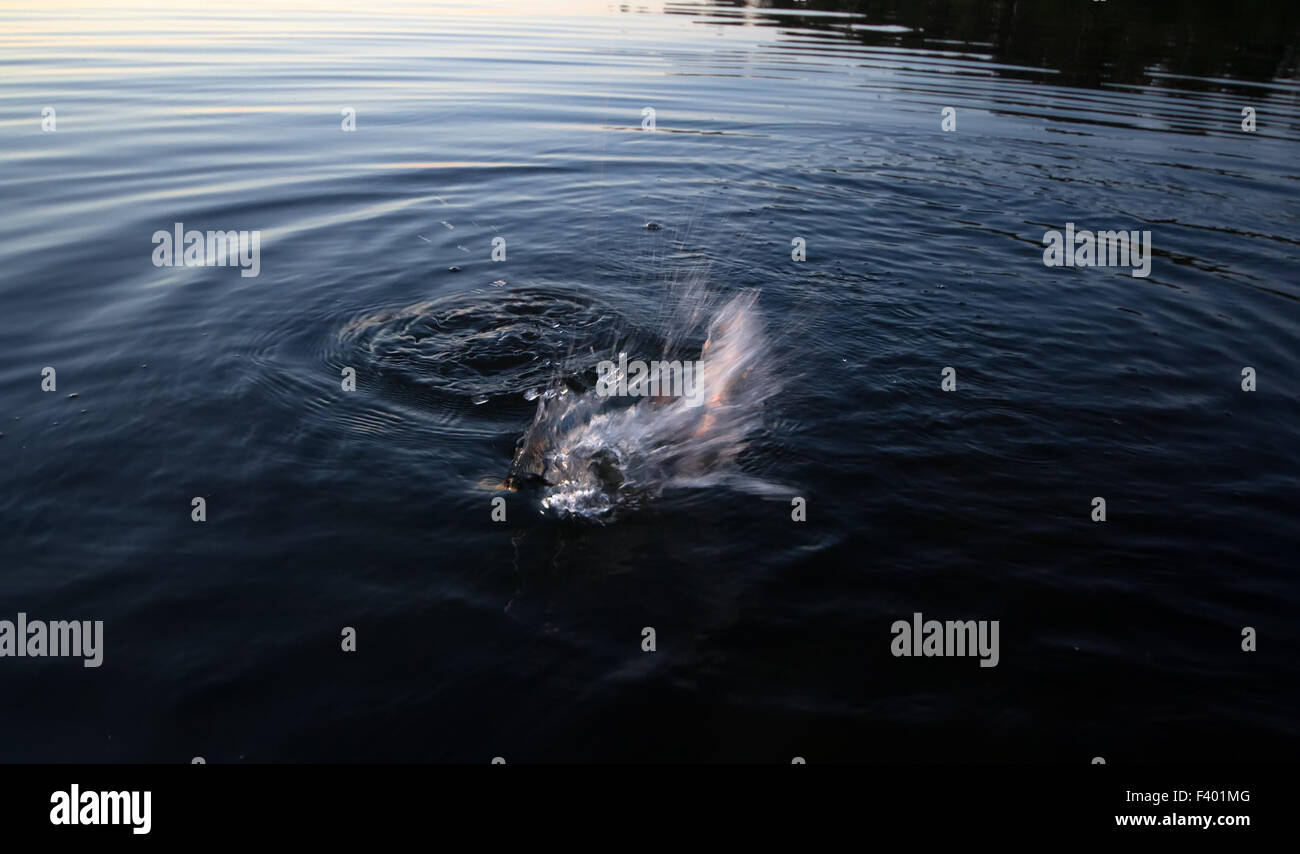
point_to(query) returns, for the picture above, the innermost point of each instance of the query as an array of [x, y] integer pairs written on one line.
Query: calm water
[[370, 509]]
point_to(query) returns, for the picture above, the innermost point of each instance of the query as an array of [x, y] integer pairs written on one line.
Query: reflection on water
[[501, 219], [1200, 46]]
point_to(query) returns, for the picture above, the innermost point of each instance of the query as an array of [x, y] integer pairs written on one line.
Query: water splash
[[590, 455]]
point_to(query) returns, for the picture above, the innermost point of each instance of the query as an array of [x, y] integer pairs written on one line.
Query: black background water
[[371, 509]]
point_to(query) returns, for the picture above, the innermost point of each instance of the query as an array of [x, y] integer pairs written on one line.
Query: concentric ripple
[[483, 344]]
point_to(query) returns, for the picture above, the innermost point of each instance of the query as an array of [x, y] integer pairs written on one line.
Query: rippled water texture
[[532, 188]]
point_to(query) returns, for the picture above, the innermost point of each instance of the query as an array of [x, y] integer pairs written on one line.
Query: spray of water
[[589, 454]]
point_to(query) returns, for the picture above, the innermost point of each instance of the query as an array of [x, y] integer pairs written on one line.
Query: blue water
[[371, 508]]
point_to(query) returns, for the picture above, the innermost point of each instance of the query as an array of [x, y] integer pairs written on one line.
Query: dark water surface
[[370, 509]]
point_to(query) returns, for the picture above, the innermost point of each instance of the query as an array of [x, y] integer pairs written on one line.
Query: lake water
[[522, 131]]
